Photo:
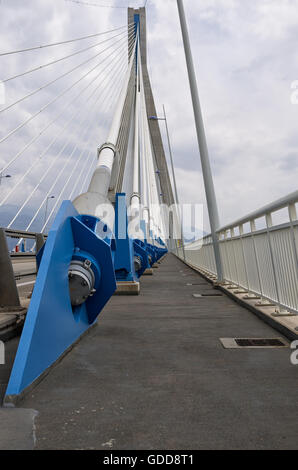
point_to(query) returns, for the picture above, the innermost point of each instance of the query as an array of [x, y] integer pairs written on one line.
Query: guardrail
[[39, 239], [262, 260], [9, 296]]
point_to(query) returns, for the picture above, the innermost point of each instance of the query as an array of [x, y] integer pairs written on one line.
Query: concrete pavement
[[154, 375]]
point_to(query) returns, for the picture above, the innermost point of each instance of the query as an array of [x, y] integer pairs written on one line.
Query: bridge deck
[[153, 375]]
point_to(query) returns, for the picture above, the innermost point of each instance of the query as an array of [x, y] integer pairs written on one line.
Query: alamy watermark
[[294, 94], [2, 93], [159, 220], [294, 355], [2, 353]]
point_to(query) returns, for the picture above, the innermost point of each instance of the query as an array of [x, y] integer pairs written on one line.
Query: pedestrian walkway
[[153, 375]]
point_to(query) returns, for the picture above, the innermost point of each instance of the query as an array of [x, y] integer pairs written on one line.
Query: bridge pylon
[[91, 246]]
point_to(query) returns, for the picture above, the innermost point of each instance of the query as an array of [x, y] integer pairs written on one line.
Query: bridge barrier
[[38, 240], [257, 254], [9, 297]]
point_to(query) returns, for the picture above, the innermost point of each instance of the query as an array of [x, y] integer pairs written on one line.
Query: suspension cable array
[[93, 93]]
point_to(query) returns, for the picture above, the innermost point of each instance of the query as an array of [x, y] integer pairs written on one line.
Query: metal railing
[[38, 238], [262, 260]]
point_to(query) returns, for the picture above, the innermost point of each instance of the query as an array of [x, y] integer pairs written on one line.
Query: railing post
[[293, 218], [292, 212], [232, 232], [206, 168], [269, 224], [253, 229], [241, 231], [224, 244]]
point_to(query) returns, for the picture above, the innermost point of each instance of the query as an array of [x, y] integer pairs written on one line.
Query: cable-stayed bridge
[[104, 219]]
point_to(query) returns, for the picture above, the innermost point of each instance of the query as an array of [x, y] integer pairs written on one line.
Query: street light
[[4, 176], [46, 211], [155, 118]]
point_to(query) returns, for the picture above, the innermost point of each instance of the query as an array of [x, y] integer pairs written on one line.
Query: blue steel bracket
[[52, 325], [152, 252], [146, 247], [161, 242], [142, 253], [160, 252], [156, 252], [99, 251], [124, 256], [127, 248]]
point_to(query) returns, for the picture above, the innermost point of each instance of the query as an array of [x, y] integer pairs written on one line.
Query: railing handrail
[[21, 254], [263, 262], [13, 233], [274, 206]]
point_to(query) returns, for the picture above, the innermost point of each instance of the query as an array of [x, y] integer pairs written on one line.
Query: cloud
[[76, 123], [245, 59]]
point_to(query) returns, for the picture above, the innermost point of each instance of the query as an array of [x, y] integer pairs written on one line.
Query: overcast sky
[[245, 57]]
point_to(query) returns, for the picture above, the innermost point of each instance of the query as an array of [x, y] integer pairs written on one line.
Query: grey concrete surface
[[23, 266], [24, 289], [25, 286], [154, 375], [12, 319], [10, 352], [17, 429]]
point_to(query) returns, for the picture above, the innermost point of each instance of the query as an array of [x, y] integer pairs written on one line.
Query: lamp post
[[170, 148], [4, 176], [164, 118], [46, 211]]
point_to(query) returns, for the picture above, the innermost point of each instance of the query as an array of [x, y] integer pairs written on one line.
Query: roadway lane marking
[[26, 283]]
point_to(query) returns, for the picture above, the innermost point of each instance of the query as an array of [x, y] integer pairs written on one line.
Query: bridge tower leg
[[156, 139]]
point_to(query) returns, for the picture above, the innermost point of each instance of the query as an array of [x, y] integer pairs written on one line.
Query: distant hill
[[193, 234]]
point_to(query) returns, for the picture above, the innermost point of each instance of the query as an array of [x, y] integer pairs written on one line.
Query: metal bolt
[[87, 263]]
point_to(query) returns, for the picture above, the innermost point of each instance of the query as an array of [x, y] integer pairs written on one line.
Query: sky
[[245, 59]]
